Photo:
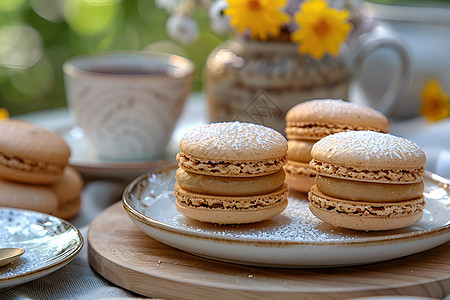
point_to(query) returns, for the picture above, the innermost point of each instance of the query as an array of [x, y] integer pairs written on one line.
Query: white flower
[[220, 23], [182, 28], [168, 5]]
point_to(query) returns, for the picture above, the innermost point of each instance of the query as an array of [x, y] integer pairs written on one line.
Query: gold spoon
[[8, 255]]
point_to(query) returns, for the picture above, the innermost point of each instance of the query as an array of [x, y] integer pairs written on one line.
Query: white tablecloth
[[78, 281]]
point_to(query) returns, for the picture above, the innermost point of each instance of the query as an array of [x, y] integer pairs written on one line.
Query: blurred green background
[[37, 36]]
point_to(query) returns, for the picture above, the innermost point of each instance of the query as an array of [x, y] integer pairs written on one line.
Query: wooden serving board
[[124, 255]]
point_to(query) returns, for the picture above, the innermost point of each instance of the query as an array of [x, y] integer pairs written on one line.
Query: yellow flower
[[262, 17], [321, 28], [435, 103], [3, 113]]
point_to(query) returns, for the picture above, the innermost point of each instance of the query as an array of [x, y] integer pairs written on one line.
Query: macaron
[[309, 121], [67, 190], [28, 196], [69, 210], [31, 154], [367, 181], [61, 199], [231, 173]]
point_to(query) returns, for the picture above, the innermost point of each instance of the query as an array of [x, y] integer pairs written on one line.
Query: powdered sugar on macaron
[[233, 141], [368, 149]]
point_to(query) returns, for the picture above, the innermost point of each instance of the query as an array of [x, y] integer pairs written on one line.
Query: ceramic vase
[[259, 82]]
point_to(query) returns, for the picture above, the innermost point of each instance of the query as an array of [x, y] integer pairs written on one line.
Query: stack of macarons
[[34, 171], [309, 121], [231, 173], [367, 181]]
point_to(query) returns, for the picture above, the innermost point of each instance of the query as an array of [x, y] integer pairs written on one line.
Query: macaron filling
[[229, 186], [340, 206], [394, 175], [27, 165], [368, 191], [229, 167]]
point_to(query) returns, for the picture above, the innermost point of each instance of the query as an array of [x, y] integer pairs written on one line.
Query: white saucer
[[49, 242], [85, 159], [296, 238]]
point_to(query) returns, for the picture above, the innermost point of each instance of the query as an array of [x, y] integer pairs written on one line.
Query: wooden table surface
[[124, 255]]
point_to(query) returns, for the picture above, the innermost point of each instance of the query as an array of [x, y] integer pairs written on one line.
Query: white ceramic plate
[[85, 159], [49, 242], [295, 238]]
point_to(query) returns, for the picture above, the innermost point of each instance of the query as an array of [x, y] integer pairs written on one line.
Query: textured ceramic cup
[[127, 103]]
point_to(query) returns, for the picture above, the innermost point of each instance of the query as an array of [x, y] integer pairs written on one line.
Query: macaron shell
[[337, 111], [358, 215], [392, 175], [68, 186], [230, 210], [233, 141], [230, 168], [225, 217], [365, 223], [369, 150], [31, 177], [31, 154], [368, 191], [69, 210], [26, 140], [229, 186], [300, 150], [27, 196], [315, 131]]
